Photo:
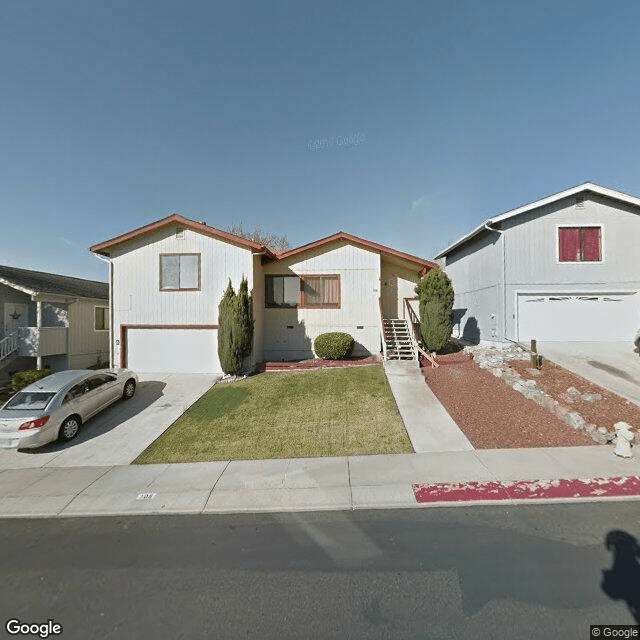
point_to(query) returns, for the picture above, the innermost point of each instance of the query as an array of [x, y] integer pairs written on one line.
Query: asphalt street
[[526, 571]]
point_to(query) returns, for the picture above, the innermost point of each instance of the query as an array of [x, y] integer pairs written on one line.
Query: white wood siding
[[137, 299], [289, 333], [86, 345]]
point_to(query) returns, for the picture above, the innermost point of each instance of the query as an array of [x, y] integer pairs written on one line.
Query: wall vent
[[180, 233], [580, 202]]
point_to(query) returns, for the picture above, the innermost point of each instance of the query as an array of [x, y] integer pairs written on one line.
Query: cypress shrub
[[244, 321], [436, 295], [227, 351], [333, 346]]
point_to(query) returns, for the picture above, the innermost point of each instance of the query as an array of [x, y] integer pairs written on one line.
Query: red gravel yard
[[491, 414]]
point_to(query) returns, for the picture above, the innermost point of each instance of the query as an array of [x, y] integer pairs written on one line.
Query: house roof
[[39, 282], [587, 186], [105, 247], [366, 244]]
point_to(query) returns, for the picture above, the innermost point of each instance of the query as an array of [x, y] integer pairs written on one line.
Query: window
[[313, 292], [101, 319], [579, 244], [180, 272], [321, 292], [75, 392], [282, 291]]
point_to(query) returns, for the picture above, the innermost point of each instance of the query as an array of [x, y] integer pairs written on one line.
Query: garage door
[[172, 350], [578, 317]]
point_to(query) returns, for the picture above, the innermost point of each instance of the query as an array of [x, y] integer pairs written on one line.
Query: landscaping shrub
[[244, 319], [436, 295], [23, 378], [333, 346], [235, 331], [227, 352]]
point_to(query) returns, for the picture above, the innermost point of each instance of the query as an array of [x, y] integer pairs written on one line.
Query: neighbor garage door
[[172, 350], [574, 317]]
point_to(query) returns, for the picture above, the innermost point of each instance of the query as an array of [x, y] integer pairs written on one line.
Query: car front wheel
[[69, 429], [129, 389]]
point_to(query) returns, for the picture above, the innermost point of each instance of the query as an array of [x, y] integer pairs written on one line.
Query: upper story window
[[180, 272], [101, 319], [580, 244], [313, 292]]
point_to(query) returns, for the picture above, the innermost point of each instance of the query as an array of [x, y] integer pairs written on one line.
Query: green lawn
[[330, 412]]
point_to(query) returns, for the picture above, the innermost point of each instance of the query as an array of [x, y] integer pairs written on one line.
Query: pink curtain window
[[591, 244], [569, 239]]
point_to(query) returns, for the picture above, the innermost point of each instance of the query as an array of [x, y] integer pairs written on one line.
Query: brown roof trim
[[367, 244], [176, 218]]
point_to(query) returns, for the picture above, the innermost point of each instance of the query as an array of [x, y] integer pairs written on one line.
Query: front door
[[16, 314], [389, 295]]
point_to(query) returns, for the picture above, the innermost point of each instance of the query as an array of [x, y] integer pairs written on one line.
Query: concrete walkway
[[303, 484], [430, 427]]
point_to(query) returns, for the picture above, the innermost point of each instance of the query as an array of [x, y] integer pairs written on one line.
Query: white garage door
[[578, 317], [173, 350]]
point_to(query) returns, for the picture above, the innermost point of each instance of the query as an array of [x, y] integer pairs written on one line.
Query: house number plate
[[146, 496]]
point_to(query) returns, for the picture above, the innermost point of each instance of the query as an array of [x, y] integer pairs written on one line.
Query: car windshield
[[31, 400]]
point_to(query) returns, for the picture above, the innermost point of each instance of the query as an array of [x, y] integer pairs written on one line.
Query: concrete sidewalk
[[303, 484]]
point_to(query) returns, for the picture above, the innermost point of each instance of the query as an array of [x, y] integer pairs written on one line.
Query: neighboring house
[[50, 320], [167, 279], [564, 268]]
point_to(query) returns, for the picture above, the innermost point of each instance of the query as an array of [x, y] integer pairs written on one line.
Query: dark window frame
[[105, 319], [179, 288], [301, 304]]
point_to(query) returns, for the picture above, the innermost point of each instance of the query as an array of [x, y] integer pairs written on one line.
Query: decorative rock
[[575, 420], [591, 397], [531, 383], [533, 372], [602, 429], [624, 437], [572, 391]]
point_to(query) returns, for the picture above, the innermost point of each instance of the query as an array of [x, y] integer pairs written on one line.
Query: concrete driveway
[[612, 365], [119, 434]]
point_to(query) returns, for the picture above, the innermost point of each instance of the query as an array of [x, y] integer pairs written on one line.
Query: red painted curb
[[527, 489]]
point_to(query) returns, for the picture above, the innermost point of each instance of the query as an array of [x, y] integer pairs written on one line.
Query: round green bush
[[333, 346]]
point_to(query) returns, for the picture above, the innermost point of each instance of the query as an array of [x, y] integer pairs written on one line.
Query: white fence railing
[[8, 345]]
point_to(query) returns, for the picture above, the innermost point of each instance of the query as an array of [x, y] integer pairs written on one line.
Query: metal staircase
[[398, 339]]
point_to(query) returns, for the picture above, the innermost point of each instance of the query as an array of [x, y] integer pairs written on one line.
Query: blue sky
[[407, 123]]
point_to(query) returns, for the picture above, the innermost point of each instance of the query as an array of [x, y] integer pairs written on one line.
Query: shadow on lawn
[[224, 399]]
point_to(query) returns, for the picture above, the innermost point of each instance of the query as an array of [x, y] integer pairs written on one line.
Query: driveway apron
[[612, 365], [123, 431]]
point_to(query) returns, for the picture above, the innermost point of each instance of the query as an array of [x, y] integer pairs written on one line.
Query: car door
[[75, 401], [99, 393], [110, 389]]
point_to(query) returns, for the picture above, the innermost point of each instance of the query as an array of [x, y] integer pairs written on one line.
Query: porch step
[[398, 339]]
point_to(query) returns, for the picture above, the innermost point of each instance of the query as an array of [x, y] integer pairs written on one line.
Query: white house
[[167, 279], [51, 320], [564, 268]]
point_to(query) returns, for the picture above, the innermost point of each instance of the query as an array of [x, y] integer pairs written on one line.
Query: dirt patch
[[603, 412], [491, 414]]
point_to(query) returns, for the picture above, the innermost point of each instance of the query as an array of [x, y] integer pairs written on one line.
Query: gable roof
[[35, 282], [587, 186], [104, 247], [361, 242]]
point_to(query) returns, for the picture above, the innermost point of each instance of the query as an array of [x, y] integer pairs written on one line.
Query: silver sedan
[[55, 407]]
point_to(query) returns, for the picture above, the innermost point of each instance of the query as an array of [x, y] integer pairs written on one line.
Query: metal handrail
[[8, 345], [415, 323], [384, 342]]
